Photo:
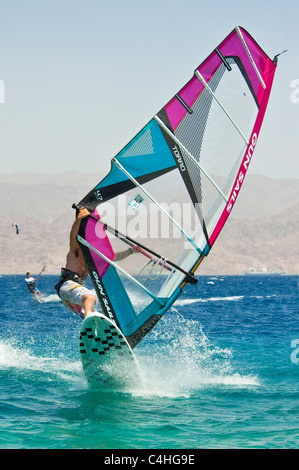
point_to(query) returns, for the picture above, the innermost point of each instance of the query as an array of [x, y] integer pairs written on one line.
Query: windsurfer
[[70, 288], [31, 281]]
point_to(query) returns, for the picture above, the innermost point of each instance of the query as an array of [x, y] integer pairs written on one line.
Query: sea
[[219, 371]]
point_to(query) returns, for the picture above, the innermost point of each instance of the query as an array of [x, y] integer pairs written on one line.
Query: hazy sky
[[79, 78]]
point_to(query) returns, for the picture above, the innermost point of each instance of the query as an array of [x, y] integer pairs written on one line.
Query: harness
[[67, 275], [31, 287]]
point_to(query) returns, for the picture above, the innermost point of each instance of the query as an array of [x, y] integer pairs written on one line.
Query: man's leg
[[88, 302]]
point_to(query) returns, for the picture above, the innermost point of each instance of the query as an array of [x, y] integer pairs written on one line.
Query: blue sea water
[[220, 370]]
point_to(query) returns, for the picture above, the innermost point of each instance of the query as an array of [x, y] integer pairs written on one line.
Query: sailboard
[[171, 189], [105, 354]]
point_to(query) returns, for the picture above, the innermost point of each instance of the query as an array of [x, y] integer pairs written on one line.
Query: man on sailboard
[[70, 288], [31, 284]]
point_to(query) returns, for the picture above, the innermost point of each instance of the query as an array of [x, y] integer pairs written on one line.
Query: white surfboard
[[106, 355]]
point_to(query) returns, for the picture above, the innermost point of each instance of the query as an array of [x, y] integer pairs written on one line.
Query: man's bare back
[[75, 262], [72, 293], [74, 259]]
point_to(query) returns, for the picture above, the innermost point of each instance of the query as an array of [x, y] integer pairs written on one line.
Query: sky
[[79, 78]]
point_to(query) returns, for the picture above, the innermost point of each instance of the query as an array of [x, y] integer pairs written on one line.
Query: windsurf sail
[[172, 187]]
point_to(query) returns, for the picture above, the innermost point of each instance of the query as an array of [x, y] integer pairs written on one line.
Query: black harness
[[67, 275], [31, 286]]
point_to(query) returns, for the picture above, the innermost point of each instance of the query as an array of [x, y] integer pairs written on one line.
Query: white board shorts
[[71, 294]]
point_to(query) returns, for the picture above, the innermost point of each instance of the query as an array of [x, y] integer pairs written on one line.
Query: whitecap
[[210, 299], [182, 361]]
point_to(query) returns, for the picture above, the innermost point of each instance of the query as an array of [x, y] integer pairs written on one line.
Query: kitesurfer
[[31, 281], [17, 228], [70, 288]]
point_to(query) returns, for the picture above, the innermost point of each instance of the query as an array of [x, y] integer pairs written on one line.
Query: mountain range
[[261, 235]]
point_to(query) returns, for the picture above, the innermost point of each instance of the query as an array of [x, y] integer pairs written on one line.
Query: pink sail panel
[[232, 46], [189, 94], [97, 237]]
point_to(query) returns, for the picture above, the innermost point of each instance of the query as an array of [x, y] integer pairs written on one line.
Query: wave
[[211, 299], [182, 361], [49, 298], [22, 360], [234, 298]]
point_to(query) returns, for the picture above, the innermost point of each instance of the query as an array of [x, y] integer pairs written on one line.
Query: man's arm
[[124, 254], [74, 245]]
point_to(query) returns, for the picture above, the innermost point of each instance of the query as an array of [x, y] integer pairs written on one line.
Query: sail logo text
[[98, 195], [241, 175], [179, 158], [103, 295]]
